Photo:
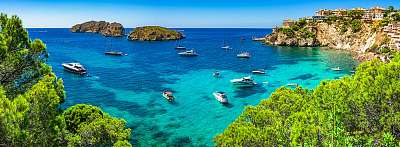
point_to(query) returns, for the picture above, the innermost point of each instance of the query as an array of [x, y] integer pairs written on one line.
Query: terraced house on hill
[[368, 15], [393, 31]]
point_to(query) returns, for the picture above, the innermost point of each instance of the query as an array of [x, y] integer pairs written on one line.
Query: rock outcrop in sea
[[104, 28], [154, 33]]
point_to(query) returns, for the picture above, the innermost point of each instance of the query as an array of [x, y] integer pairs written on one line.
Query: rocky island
[[154, 33], [367, 32], [104, 28]]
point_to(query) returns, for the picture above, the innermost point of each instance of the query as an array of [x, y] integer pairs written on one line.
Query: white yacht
[[244, 82], [336, 69], [221, 97], [189, 53], [226, 47], [115, 53], [258, 71], [74, 68], [244, 55], [180, 47]]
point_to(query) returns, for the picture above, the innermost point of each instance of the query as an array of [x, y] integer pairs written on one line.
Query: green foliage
[[298, 30], [384, 50], [31, 95], [154, 33], [88, 125], [361, 110]]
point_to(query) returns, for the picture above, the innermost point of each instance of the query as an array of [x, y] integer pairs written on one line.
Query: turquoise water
[[130, 87]]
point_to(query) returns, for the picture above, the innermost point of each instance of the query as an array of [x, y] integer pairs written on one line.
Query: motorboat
[[292, 84], [244, 82], [258, 71], [226, 47], [189, 53], [244, 55], [115, 53], [221, 97], [180, 47], [76, 68], [168, 95], [337, 69]]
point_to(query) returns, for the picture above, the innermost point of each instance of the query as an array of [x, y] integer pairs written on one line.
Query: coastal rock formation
[[154, 33], [104, 28], [332, 35]]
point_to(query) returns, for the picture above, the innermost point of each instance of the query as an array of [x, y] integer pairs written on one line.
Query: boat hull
[[222, 100], [74, 71]]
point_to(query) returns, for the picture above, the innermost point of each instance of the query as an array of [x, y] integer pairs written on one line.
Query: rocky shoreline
[[104, 28], [332, 36]]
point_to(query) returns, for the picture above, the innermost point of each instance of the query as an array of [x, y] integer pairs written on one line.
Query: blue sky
[[174, 13]]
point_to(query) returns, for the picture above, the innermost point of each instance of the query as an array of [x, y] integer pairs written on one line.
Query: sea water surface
[[130, 86]]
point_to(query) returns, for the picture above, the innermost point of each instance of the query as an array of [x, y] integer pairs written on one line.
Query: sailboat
[[180, 46], [113, 52], [227, 47]]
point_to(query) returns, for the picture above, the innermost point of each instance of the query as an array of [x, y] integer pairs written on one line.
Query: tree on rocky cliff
[[31, 95], [358, 110]]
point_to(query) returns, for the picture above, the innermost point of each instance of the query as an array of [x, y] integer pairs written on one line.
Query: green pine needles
[[31, 95], [358, 110]]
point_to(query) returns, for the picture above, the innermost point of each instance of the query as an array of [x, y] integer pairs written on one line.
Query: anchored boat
[[189, 53], [258, 71], [221, 97], [244, 55], [180, 47], [76, 68], [336, 69], [244, 82], [115, 53], [168, 95]]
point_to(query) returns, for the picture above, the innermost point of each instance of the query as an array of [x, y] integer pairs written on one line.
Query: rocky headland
[[104, 28], [368, 39], [154, 33]]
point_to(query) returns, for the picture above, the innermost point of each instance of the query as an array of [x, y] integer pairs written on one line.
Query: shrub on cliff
[[358, 110], [31, 96]]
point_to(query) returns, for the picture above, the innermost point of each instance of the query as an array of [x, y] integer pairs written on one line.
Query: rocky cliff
[[154, 33], [359, 39], [105, 28]]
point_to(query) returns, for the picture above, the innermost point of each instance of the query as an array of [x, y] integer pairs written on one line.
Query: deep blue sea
[[130, 86]]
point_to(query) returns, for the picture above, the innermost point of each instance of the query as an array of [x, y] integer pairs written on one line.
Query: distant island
[[154, 33], [368, 32], [104, 28]]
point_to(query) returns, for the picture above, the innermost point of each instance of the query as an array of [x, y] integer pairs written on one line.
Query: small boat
[[258, 71], [216, 74], [180, 47], [189, 53], [244, 82], [292, 84], [115, 53], [227, 47], [336, 69], [244, 55], [221, 97], [168, 95], [74, 68]]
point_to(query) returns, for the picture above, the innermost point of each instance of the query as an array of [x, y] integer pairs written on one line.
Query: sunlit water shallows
[[130, 86]]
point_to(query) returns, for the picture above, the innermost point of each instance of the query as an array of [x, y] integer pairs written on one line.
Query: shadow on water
[[244, 92], [304, 77], [228, 105]]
